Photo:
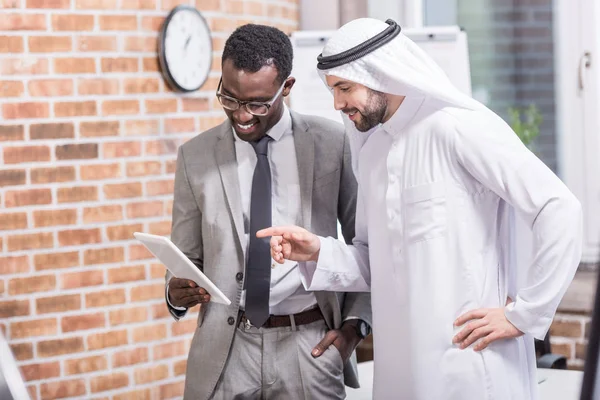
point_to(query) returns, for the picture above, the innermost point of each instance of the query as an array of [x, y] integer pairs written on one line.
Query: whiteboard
[[447, 45]]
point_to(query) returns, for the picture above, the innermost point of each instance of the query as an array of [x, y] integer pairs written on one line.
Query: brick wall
[[88, 140]]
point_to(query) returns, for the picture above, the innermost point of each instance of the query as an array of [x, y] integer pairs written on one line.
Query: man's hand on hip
[[292, 243], [344, 339], [486, 325], [185, 293]]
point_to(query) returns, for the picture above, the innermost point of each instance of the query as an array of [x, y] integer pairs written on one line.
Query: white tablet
[[179, 265]]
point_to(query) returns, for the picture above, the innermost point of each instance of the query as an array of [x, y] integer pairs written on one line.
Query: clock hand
[[187, 42]]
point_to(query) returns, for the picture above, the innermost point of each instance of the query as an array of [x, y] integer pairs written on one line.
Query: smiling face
[[365, 107], [258, 86]]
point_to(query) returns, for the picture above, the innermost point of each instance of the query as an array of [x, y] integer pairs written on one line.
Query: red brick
[[148, 292], [48, 3], [119, 64], [209, 122], [51, 348], [144, 168], [100, 171], [130, 357], [120, 107], [101, 128], [33, 284], [107, 339], [145, 209], [145, 127], [53, 174], [36, 372], [123, 190], [68, 302], [194, 104], [37, 327], [162, 147], [118, 22], [77, 194], [139, 252], [161, 106], [162, 228], [141, 85], [149, 333], [234, 7], [22, 66], [12, 177], [23, 22], [96, 4], [138, 4], [22, 351], [75, 280], [150, 64], [564, 349], [74, 65], [109, 382], [30, 241], [126, 274], [152, 23], [146, 44], [105, 298], [14, 155], [11, 88], [97, 43], [122, 232], [28, 197], [54, 217], [13, 221], [11, 44], [157, 271], [98, 86], [566, 328], [102, 214], [151, 374], [160, 311], [14, 265], [11, 132], [14, 308], [77, 237], [49, 44], [86, 365], [56, 260], [157, 188], [64, 130], [75, 109], [580, 351], [184, 327], [170, 390], [72, 22], [62, 389], [180, 125], [128, 315], [169, 208], [141, 394], [25, 110], [179, 367], [104, 256], [72, 323]]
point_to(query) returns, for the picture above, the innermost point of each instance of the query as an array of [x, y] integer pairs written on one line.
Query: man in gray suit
[[265, 165]]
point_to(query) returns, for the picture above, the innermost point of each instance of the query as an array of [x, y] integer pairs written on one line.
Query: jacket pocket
[[424, 211]]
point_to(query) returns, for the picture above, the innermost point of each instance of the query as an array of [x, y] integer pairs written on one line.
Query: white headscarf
[[398, 67]]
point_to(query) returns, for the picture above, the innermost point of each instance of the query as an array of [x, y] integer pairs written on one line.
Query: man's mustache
[[349, 110]]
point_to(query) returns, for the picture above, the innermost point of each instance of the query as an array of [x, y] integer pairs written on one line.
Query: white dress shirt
[[433, 241]]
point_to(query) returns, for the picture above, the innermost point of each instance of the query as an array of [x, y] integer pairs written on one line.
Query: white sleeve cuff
[[169, 303], [526, 321]]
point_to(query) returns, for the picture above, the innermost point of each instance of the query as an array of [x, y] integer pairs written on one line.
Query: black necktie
[[258, 269]]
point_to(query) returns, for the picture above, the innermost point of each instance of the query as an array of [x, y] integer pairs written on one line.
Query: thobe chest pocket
[[424, 211]]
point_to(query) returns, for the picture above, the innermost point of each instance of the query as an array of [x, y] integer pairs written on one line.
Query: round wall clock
[[185, 49]]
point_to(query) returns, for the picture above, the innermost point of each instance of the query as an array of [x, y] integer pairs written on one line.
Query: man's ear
[[289, 83]]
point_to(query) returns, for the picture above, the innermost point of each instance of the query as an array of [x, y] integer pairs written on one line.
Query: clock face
[[185, 50]]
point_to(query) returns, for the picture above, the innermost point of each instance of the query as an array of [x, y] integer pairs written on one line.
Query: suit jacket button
[[239, 276], [231, 320]]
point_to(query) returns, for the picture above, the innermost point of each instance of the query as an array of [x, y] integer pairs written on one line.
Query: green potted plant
[[526, 123]]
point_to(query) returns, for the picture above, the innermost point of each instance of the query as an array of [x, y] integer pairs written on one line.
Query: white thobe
[[433, 242]]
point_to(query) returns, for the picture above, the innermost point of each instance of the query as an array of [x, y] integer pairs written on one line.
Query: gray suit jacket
[[208, 228]]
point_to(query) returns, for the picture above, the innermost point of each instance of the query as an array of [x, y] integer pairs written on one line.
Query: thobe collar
[[403, 115], [283, 126]]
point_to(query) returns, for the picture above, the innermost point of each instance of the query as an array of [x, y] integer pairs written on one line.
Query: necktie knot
[[261, 146]]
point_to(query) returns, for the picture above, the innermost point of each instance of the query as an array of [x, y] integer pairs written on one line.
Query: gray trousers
[[276, 363]]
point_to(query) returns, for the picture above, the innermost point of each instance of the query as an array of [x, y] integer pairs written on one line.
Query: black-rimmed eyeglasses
[[257, 108]]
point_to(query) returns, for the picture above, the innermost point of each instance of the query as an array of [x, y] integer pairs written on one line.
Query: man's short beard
[[374, 111]]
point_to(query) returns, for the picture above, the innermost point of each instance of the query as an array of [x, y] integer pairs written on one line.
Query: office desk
[[555, 384]]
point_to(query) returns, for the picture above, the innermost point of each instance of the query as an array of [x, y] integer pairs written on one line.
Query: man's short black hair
[[252, 46]]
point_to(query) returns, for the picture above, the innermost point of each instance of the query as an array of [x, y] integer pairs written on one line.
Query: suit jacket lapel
[[305, 155], [226, 160]]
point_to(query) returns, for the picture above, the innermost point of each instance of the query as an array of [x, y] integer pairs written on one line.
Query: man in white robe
[[438, 176]]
